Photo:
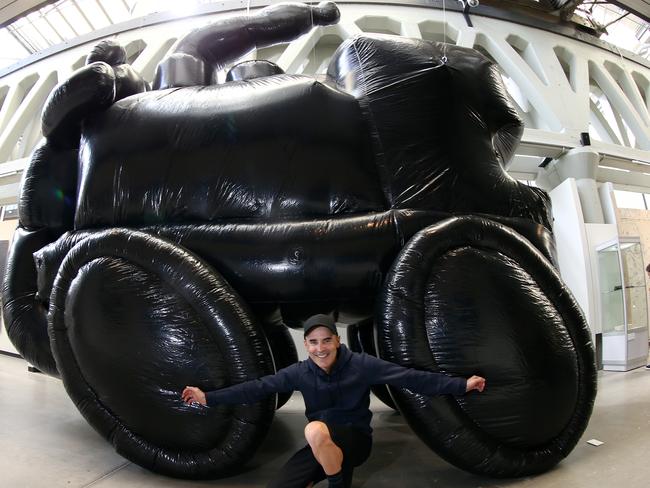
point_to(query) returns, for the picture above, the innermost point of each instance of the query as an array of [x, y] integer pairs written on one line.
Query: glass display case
[[623, 304]]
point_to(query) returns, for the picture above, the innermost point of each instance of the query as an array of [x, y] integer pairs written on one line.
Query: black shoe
[[647, 366]]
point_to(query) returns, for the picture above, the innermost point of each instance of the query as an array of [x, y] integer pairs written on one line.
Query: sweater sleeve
[[423, 382], [254, 390]]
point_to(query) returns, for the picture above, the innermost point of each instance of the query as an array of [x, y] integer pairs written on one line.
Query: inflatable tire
[[283, 350], [470, 296], [361, 339], [133, 319], [25, 316]]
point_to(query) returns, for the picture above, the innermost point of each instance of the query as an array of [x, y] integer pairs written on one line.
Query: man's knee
[[317, 433]]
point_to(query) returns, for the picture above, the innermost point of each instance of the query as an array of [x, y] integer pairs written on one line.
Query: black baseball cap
[[319, 320]]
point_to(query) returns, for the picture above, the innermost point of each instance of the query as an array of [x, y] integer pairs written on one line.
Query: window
[[10, 212], [528, 182], [630, 199]]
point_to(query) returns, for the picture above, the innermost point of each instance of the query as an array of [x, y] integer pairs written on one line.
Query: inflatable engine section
[[167, 236]]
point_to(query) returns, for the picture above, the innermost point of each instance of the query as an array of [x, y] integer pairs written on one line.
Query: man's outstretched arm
[[424, 382], [246, 392]]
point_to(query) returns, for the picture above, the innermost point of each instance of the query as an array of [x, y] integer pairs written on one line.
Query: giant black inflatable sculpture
[[167, 236]]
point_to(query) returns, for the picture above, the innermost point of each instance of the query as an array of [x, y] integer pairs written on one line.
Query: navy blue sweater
[[341, 397]]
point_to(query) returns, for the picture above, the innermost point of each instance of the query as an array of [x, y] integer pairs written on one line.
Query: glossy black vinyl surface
[[361, 339], [336, 261], [297, 195], [282, 349], [198, 56], [24, 315], [133, 319], [442, 126], [48, 189], [202, 154], [470, 296]]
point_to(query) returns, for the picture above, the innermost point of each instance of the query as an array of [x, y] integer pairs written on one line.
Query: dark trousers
[[303, 468]]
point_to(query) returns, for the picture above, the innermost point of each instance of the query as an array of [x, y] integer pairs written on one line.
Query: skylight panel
[[94, 13], [71, 12], [62, 26], [117, 10], [12, 50]]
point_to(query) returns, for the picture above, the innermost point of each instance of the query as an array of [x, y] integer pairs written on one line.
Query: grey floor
[[44, 442]]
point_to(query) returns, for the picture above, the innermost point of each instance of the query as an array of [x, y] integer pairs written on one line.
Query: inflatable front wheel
[[24, 314], [134, 319], [361, 339], [471, 296]]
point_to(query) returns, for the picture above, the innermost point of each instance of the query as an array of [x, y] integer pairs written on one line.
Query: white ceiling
[[52, 22], [10, 9], [640, 8]]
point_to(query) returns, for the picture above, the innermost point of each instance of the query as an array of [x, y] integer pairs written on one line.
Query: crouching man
[[335, 384]]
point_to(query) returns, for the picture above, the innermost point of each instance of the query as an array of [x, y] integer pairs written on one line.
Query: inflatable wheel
[[470, 296], [134, 319], [361, 339], [25, 316], [283, 350]]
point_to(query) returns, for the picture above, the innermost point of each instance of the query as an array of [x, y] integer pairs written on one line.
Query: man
[[335, 384]]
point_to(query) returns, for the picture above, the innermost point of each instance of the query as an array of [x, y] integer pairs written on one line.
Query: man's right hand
[[475, 383], [192, 394]]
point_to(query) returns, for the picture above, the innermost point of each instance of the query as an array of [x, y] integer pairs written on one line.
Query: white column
[[581, 164]]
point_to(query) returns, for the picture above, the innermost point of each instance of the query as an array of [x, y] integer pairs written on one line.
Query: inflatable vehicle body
[[166, 235]]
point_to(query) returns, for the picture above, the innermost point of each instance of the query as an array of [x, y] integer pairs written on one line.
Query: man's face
[[321, 345]]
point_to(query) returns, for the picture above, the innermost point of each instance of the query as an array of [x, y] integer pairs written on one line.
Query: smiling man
[[335, 384]]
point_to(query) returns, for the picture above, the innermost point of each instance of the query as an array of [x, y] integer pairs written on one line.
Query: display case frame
[[623, 299]]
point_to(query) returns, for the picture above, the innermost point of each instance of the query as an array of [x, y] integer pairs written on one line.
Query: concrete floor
[[44, 442]]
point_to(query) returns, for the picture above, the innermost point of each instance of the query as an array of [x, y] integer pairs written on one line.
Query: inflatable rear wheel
[[134, 319], [283, 350], [470, 296]]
